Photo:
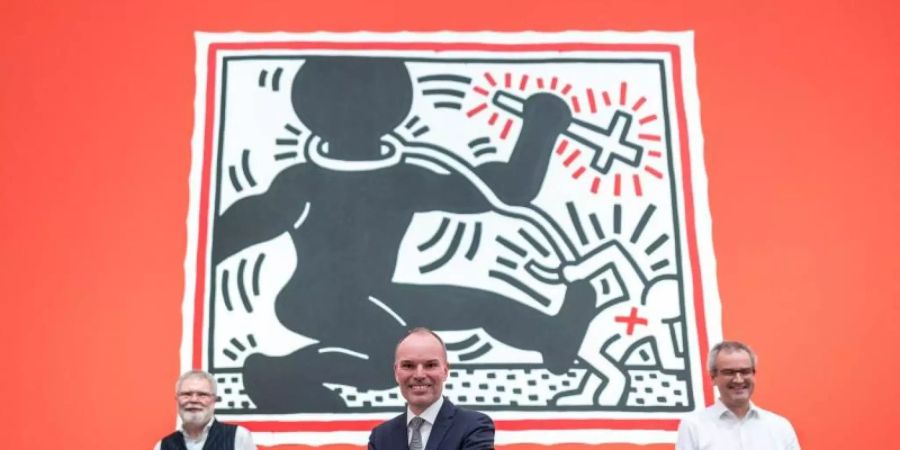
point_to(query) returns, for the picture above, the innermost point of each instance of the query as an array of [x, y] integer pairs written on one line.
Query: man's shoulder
[[773, 417], [471, 414], [392, 422]]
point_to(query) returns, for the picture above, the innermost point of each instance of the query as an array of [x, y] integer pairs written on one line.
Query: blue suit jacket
[[454, 429]]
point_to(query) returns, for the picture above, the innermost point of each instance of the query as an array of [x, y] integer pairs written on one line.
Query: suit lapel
[[441, 424], [400, 433]]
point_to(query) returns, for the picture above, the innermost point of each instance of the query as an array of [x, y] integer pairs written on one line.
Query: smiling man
[[430, 421], [734, 422], [195, 394]]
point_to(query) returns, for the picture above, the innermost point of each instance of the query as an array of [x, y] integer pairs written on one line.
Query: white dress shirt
[[717, 428], [242, 439], [429, 415]]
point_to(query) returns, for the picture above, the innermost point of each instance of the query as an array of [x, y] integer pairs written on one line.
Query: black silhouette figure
[[347, 246]]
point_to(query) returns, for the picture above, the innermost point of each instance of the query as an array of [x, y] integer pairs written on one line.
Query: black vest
[[220, 437]]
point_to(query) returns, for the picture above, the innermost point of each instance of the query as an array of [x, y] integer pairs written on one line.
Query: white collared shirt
[[242, 438], [717, 428], [429, 415]]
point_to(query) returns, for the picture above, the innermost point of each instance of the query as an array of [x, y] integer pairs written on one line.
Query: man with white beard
[[195, 394], [734, 422]]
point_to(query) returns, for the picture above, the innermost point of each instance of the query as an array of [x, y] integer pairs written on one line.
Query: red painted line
[[606, 98], [579, 172], [523, 82], [654, 153], [649, 137], [507, 80], [540, 83], [553, 82], [562, 146], [493, 119], [203, 227], [490, 79], [637, 105], [623, 93], [572, 158], [617, 185], [637, 185], [481, 90], [505, 425], [653, 172], [476, 109], [575, 105], [591, 101], [595, 186], [647, 119], [566, 89], [506, 128]]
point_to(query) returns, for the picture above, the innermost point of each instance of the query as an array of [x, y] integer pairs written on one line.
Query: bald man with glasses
[[734, 422]]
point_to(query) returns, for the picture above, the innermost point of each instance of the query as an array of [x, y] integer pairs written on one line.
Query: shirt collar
[[430, 413], [721, 411]]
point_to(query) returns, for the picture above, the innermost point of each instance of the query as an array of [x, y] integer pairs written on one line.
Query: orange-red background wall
[[799, 110]]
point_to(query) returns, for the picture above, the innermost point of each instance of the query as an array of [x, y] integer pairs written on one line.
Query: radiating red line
[[654, 153], [637, 185], [540, 83], [638, 104], [506, 128], [595, 186], [572, 157], [647, 119], [476, 109], [507, 80], [493, 119], [575, 105], [591, 101], [562, 146], [653, 172], [623, 93], [553, 82], [649, 137], [490, 79], [523, 82], [606, 98], [578, 172], [617, 187], [566, 89], [481, 90]]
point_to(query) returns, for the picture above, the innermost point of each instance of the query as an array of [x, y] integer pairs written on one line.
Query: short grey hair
[[196, 373], [729, 347]]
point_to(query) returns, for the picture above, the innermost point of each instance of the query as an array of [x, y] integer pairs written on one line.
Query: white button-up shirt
[[717, 428], [430, 415]]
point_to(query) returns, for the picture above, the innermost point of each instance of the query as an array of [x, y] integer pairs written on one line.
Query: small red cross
[[631, 320]]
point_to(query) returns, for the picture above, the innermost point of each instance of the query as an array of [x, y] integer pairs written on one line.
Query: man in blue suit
[[431, 422]]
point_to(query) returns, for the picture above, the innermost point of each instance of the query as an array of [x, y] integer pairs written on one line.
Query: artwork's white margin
[[702, 217]]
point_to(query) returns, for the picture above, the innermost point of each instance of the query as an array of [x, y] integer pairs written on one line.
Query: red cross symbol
[[632, 320]]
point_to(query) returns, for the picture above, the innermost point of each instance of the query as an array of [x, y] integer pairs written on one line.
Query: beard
[[196, 418]]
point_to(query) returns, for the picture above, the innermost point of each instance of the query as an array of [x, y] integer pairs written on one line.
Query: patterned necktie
[[416, 442]]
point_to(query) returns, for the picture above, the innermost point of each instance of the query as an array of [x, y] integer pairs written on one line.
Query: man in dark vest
[[195, 394]]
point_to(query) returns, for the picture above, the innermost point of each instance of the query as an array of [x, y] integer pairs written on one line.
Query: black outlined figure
[[346, 210]]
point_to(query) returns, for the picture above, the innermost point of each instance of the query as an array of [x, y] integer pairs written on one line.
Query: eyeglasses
[[731, 373], [186, 395]]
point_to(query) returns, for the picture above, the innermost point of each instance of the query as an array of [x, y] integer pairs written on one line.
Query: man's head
[[732, 367], [420, 368], [195, 393]]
